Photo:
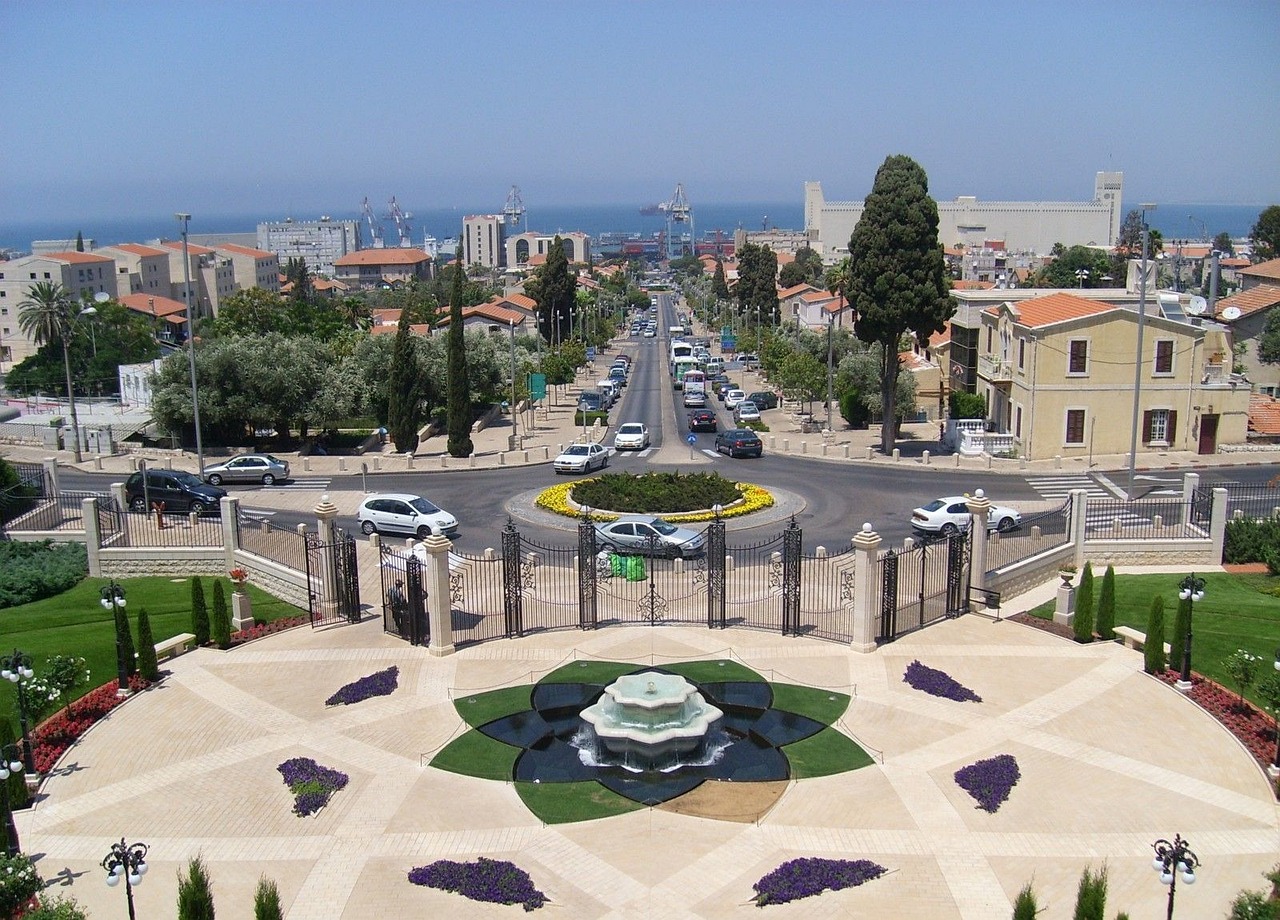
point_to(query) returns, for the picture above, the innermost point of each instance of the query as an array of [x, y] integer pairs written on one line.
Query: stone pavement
[[1110, 759]]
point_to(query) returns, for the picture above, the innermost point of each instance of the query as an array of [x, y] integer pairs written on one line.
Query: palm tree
[[45, 317]]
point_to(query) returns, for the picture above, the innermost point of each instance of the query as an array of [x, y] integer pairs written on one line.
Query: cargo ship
[[651, 210]]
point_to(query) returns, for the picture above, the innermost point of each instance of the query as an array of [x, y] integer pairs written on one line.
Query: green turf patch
[[589, 672], [712, 671], [476, 754], [478, 709], [823, 706], [564, 803], [826, 753]]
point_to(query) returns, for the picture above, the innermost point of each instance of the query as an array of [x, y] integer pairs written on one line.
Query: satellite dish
[[1197, 307], [1231, 314], [102, 297]]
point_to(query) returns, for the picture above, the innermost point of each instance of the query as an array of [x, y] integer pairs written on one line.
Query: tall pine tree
[[148, 667], [126, 660], [1082, 624], [404, 413], [1178, 635], [195, 896], [555, 290], [897, 275], [1105, 621], [1153, 651], [459, 387], [199, 613]]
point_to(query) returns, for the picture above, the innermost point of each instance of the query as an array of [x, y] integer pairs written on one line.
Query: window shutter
[[1146, 427], [1173, 427]]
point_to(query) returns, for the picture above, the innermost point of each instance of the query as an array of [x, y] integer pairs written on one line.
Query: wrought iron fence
[[827, 595], [476, 597], [52, 513], [923, 584], [333, 579], [153, 529], [279, 544], [753, 575], [1038, 533], [403, 596], [1146, 519], [1254, 500], [32, 476]]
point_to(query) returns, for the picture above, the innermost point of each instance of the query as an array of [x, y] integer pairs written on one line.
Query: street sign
[[692, 439], [728, 344], [537, 386], [591, 352]]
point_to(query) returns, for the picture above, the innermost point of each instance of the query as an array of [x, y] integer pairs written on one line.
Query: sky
[[130, 107]]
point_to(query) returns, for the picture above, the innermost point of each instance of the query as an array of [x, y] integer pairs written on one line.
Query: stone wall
[[277, 580], [1152, 552], [174, 562]]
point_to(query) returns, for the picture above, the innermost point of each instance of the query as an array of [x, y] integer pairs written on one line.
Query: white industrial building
[[319, 243]]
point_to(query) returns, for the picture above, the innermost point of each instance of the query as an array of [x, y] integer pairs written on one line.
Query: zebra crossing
[[1061, 487], [299, 485], [1102, 499]]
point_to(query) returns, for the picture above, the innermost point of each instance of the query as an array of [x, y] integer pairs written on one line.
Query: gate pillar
[[439, 599], [980, 507], [866, 590], [325, 513]]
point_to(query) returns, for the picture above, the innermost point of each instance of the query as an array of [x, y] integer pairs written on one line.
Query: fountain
[[651, 718]]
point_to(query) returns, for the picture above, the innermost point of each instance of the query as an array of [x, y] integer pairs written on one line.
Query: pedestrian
[[399, 604]]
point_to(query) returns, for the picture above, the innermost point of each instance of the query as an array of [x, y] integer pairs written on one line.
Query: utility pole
[[1138, 359]]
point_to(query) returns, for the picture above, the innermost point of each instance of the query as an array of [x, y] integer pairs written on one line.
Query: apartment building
[[373, 268], [139, 269], [81, 274], [483, 237], [252, 267], [213, 277], [1247, 314], [524, 248], [319, 243]]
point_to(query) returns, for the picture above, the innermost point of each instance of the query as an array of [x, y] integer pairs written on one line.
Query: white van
[[610, 390], [714, 366]]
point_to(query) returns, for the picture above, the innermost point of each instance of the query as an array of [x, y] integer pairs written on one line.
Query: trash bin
[[635, 568], [617, 564]]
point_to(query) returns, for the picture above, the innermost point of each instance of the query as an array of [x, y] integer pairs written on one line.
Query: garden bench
[[1135, 639], [174, 646]]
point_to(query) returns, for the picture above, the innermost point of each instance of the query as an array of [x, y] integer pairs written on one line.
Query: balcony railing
[[996, 370]]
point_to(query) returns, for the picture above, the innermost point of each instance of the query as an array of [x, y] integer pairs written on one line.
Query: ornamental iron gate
[[404, 611], [924, 584], [333, 579]]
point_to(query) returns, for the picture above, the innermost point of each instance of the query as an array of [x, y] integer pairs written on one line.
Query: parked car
[[739, 442], [749, 360], [262, 468], [746, 412], [582, 458], [401, 512], [631, 436], [645, 535], [705, 420], [695, 399], [764, 399], [734, 398], [618, 373], [594, 401], [951, 515], [177, 490]]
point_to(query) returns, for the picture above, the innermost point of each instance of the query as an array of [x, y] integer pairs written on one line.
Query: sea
[[1174, 221]]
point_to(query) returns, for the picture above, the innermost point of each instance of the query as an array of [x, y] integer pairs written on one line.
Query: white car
[[631, 436], [734, 398], [951, 515], [395, 512], [746, 411], [582, 458], [650, 332]]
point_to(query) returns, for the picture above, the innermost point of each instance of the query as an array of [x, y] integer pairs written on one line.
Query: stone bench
[[1134, 639], [174, 646]]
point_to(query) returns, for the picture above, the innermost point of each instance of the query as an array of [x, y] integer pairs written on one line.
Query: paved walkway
[[1110, 761]]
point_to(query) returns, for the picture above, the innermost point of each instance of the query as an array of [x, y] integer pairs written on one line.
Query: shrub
[[199, 613], [1082, 625], [311, 784], [266, 901], [592, 416], [220, 620], [195, 897], [1243, 668], [656, 493], [967, 405], [1178, 636], [1250, 540], [854, 409], [59, 907], [1024, 906], [1105, 624], [1153, 653], [492, 880], [1091, 895], [126, 658], [148, 666], [19, 883], [33, 571]]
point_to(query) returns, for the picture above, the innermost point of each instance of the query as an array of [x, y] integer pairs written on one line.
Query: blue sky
[[129, 108]]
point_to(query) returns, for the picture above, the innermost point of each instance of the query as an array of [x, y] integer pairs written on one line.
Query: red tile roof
[[1264, 414], [245, 250], [1262, 297], [940, 338], [152, 305], [972, 285], [192, 248], [520, 300], [1054, 308], [794, 290], [488, 311], [138, 249], [1270, 269], [383, 257], [77, 258]]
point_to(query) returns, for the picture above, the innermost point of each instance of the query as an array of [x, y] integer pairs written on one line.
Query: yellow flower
[[558, 500]]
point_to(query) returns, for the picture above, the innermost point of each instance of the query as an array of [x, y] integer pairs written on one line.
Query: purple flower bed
[[805, 877], [990, 781], [493, 880], [382, 683], [311, 784], [938, 683]]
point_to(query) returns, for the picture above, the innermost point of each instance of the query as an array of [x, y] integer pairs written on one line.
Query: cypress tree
[[147, 664], [459, 400], [404, 414], [17, 782], [1153, 654], [220, 620], [1083, 622], [1106, 619], [1178, 635], [1024, 907], [1091, 895], [199, 613], [266, 902], [195, 897], [126, 659]]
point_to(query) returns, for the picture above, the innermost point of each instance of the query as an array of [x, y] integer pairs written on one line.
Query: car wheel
[[368, 527], [197, 507], [214, 480], [268, 479], [949, 529], [423, 531], [138, 505], [1006, 524]]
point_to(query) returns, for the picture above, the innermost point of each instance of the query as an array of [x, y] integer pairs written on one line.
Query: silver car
[[262, 468], [650, 536], [404, 513]]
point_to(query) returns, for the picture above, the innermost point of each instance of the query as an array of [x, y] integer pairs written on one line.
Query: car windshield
[[275, 460], [187, 479], [576, 451], [934, 505], [424, 506], [631, 429], [663, 527]]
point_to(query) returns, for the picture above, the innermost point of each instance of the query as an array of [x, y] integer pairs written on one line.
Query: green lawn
[[1238, 612], [825, 754], [75, 623], [564, 803]]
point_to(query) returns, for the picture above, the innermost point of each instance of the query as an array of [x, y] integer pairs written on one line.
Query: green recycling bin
[[635, 568], [617, 564]]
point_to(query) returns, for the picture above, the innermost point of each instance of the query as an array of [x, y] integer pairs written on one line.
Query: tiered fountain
[[651, 720]]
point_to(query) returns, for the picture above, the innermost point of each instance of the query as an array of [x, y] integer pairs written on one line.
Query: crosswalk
[[1061, 487], [299, 485], [1101, 495]]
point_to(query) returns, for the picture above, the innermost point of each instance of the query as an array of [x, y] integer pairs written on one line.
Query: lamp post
[[1190, 589], [1172, 859], [17, 668], [112, 597], [184, 219], [10, 763], [93, 333], [126, 861], [1274, 772], [515, 424], [1082, 275], [830, 365], [1138, 360]]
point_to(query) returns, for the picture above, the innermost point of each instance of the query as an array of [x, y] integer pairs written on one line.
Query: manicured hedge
[[655, 493], [33, 571]]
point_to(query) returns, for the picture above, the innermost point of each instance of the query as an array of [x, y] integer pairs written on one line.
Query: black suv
[[179, 492]]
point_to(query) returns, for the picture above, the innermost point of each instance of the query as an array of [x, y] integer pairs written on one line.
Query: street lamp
[[515, 424], [126, 861], [1190, 589], [1082, 274], [1172, 859], [10, 763], [112, 597], [184, 219], [93, 334], [17, 668], [830, 366], [1275, 761], [1138, 360]]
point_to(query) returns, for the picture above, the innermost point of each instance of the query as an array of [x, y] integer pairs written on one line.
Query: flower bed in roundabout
[[559, 499]]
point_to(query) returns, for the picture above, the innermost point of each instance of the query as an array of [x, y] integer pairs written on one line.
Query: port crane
[[513, 210], [375, 225], [402, 223], [678, 211]]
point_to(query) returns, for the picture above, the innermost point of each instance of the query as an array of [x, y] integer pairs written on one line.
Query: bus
[[695, 381], [679, 349], [682, 366]]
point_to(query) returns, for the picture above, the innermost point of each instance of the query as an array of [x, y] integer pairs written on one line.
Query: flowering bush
[[19, 884], [557, 499], [990, 781], [259, 630], [51, 738], [60, 678], [492, 880], [311, 784], [938, 683], [239, 576], [382, 683], [1255, 729], [805, 877]]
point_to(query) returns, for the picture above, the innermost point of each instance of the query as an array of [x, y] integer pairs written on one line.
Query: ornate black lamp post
[[10, 763], [1192, 589], [126, 861], [17, 668], [113, 597], [1172, 859]]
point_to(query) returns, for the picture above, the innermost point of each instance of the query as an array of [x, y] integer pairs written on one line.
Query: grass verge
[[564, 803], [823, 706], [824, 754], [476, 754], [478, 709]]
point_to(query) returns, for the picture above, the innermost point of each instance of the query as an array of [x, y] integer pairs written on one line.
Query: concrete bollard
[[1057, 461], [489, 554], [1158, 520], [375, 540], [342, 464], [546, 453], [526, 456], [957, 461], [1022, 463], [97, 464], [1036, 532], [846, 451], [471, 461], [990, 460], [773, 443], [804, 447], [502, 459], [377, 463], [444, 461], [408, 461], [824, 450], [925, 458], [871, 452], [820, 552], [168, 463], [786, 445], [897, 455], [306, 464]]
